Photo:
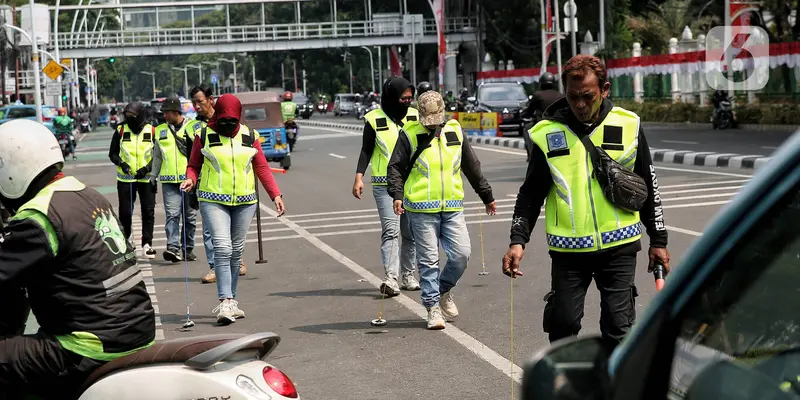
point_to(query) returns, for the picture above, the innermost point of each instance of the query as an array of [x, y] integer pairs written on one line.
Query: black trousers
[[147, 200], [571, 276], [36, 364]]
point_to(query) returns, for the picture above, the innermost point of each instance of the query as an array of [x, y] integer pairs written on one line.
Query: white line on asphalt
[[705, 189], [336, 155], [89, 165], [322, 128], [329, 136], [363, 210], [710, 183], [684, 231], [469, 342], [147, 273], [769, 147], [696, 171], [679, 142]]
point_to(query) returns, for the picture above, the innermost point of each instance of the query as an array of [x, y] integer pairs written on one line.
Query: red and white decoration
[[787, 54]]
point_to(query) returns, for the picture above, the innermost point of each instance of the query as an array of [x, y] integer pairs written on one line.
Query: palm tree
[[664, 21]]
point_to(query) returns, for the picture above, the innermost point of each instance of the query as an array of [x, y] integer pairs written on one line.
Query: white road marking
[[88, 165], [684, 231], [696, 184], [679, 142], [469, 342], [328, 136], [769, 147], [363, 210], [695, 171], [147, 273], [336, 155], [707, 189]]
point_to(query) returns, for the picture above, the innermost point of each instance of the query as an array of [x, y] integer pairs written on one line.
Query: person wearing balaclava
[[227, 154], [381, 130], [132, 152], [424, 176]]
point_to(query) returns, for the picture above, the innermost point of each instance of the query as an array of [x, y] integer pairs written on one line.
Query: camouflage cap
[[431, 108]]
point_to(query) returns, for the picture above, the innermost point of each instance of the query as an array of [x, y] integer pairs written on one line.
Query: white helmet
[[28, 148]]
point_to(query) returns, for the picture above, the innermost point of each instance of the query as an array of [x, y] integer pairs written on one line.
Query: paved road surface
[[319, 289], [736, 141]]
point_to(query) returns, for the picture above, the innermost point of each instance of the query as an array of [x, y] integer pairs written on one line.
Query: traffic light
[[111, 60], [64, 98]]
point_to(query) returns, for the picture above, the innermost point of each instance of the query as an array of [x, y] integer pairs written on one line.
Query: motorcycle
[[291, 133], [725, 117], [322, 108], [362, 111], [85, 126], [452, 106], [64, 140], [221, 366], [113, 122]]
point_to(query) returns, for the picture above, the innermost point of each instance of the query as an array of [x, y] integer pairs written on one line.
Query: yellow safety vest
[[228, 175], [434, 184], [579, 217], [136, 150], [173, 163], [386, 133], [193, 128]]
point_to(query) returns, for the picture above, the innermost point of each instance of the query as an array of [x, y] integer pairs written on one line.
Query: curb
[[680, 157]]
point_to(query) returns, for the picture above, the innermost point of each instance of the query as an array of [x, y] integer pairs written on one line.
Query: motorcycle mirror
[[472, 99]]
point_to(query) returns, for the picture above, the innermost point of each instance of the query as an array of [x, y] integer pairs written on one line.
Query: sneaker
[[172, 255], [210, 277], [190, 255], [149, 251], [237, 313], [409, 282], [390, 287], [449, 309], [224, 313], [435, 318], [242, 268]]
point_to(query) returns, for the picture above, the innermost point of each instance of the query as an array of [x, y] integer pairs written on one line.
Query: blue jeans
[[208, 244], [172, 207], [228, 226], [391, 225], [429, 229]]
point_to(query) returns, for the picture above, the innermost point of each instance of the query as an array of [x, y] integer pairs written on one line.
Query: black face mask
[[134, 122], [226, 127]]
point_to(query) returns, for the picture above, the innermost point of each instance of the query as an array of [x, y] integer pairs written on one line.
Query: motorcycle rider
[[288, 107], [381, 130], [65, 125], [542, 98], [132, 152], [64, 247], [718, 97]]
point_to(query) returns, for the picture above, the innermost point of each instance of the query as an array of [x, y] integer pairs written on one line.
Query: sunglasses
[[407, 99]]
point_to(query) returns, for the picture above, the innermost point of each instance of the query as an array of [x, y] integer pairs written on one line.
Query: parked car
[[344, 104], [26, 111], [725, 325], [507, 100]]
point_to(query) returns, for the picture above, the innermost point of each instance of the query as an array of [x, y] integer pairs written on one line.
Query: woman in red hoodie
[[225, 153]]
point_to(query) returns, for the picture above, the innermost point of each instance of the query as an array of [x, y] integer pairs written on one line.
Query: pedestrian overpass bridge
[[403, 30]]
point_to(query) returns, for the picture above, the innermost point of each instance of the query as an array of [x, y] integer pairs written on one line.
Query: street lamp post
[[153, 76], [185, 79], [371, 67], [570, 9], [235, 83], [199, 68], [37, 91]]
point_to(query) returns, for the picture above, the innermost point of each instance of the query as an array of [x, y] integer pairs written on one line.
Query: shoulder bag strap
[[421, 146], [593, 153]]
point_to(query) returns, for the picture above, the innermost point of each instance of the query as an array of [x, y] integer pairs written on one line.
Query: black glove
[[154, 183], [125, 168], [141, 173]]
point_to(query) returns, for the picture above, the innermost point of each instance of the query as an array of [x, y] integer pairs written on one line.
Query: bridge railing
[[239, 34]]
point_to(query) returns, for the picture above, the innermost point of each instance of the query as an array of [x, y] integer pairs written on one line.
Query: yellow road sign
[[52, 70], [67, 62]]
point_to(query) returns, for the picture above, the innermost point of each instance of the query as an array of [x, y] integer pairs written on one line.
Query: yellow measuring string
[[511, 308]]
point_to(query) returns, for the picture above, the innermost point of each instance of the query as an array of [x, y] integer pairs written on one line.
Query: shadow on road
[[322, 329]]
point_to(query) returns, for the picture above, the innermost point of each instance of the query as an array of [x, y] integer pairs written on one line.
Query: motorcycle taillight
[[279, 382]]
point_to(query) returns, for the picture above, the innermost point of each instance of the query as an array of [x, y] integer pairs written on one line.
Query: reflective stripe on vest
[[227, 175], [579, 217], [435, 184], [173, 163], [386, 133], [136, 150]]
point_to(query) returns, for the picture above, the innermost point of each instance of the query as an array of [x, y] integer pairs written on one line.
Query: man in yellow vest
[[424, 177], [132, 152], [588, 236], [170, 158], [380, 135]]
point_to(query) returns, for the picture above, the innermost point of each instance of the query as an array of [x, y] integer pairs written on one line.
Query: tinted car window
[[503, 93], [347, 99], [300, 99], [22, 112], [748, 311], [255, 114]]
